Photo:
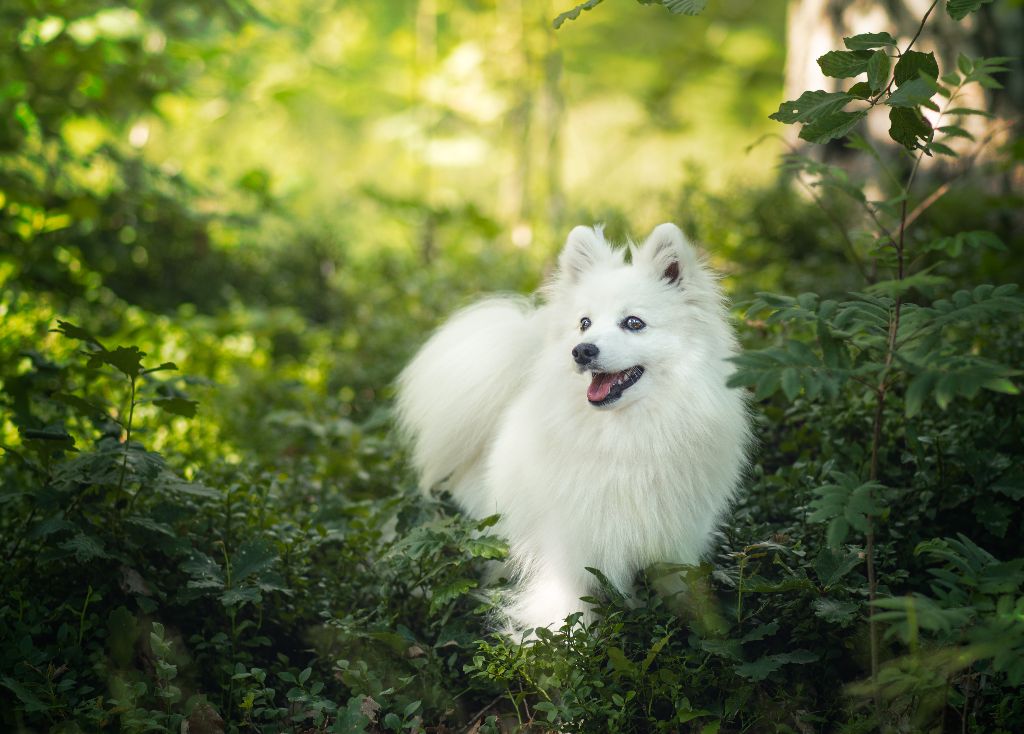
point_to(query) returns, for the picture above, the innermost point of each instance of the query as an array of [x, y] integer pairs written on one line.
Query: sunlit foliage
[[224, 227]]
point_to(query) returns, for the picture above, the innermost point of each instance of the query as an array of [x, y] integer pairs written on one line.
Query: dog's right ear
[[585, 248], [667, 253]]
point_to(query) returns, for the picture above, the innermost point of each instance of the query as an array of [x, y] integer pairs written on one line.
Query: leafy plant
[[894, 336], [236, 546], [676, 7]]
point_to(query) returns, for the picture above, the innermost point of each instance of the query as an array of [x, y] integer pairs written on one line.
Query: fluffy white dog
[[598, 425]]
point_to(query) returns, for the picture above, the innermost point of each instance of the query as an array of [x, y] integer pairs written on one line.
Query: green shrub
[[238, 547]]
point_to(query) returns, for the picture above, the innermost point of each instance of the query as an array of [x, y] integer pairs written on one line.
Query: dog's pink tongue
[[600, 386]]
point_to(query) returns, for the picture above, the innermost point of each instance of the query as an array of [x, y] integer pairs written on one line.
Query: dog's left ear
[[584, 249], [667, 253]]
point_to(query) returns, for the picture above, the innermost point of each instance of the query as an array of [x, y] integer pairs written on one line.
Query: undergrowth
[[240, 548]]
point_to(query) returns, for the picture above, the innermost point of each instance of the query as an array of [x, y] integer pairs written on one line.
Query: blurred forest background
[[325, 164], [283, 198]]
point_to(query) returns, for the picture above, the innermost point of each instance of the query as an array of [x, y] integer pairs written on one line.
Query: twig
[[472, 719], [969, 162], [874, 100], [921, 27], [878, 222], [929, 200], [21, 535], [851, 251], [127, 442], [876, 440]]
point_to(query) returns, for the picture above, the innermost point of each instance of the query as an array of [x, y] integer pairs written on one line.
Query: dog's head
[[629, 325]]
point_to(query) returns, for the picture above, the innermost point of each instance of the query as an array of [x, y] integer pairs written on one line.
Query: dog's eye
[[632, 323], [584, 323]]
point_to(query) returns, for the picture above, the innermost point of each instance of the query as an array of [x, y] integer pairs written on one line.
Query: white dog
[[598, 425]]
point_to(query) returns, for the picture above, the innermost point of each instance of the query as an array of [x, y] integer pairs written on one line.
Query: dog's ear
[[584, 248], [667, 253]]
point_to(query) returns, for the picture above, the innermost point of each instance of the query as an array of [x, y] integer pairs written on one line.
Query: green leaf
[[243, 595], [172, 483], [912, 612], [487, 522], [762, 585], [163, 367], [974, 239], [831, 565], [958, 376], [846, 503], [85, 547], [1001, 384], [921, 281], [838, 529], [760, 632], [986, 81], [909, 128], [835, 611], [723, 648], [914, 63], [918, 389], [766, 385], [790, 380], [878, 70], [683, 717], [685, 7], [964, 63], [985, 301], [653, 653], [834, 353], [765, 666], [955, 131], [960, 9], [127, 360], [206, 573], [45, 443], [942, 148], [843, 64], [829, 127], [49, 526], [151, 525], [860, 90], [913, 93], [75, 332], [449, 592], [487, 546], [177, 406], [28, 699], [952, 79], [619, 662], [861, 505], [810, 106], [253, 557], [574, 13], [866, 41], [351, 719], [84, 407]]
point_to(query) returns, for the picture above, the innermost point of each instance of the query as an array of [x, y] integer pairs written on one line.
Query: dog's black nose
[[584, 353]]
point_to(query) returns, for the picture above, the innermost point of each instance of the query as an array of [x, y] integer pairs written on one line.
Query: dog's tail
[[452, 394]]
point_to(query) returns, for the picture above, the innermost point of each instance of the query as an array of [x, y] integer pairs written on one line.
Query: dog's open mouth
[[607, 387]]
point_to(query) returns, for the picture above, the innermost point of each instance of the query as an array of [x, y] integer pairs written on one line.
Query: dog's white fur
[[497, 412]]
